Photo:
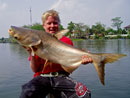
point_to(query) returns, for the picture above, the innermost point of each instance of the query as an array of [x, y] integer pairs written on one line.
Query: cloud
[[79, 11], [56, 5], [90, 11], [64, 4], [3, 6], [68, 9]]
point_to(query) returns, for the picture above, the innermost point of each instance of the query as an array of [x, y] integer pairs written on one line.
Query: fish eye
[[16, 37]]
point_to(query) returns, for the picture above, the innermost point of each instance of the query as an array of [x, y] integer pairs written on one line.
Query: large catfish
[[49, 47]]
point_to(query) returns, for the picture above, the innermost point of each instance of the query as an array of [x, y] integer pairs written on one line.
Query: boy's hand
[[86, 59]]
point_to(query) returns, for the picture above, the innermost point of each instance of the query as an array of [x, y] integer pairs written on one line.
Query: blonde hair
[[50, 13]]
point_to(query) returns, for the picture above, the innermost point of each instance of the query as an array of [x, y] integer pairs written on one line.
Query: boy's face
[[51, 25]]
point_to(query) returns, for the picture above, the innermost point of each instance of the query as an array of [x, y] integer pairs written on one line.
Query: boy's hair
[[50, 13]]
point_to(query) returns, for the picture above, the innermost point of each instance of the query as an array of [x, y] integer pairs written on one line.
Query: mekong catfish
[[49, 47]]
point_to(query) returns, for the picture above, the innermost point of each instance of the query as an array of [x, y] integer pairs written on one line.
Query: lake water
[[15, 69]]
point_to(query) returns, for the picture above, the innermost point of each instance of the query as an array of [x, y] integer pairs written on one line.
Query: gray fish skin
[[48, 47]]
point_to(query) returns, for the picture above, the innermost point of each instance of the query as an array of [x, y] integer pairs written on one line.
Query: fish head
[[25, 37]]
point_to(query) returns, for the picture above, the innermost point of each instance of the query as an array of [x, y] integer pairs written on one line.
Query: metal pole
[[30, 11]]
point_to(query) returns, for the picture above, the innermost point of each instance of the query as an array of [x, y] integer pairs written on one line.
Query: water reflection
[[17, 49], [91, 45], [116, 77], [109, 46], [15, 69]]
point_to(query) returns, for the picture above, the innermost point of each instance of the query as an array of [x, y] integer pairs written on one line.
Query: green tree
[[87, 31], [71, 27], [3, 39], [117, 22], [79, 30], [109, 30], [87, 28], [36, 26], [124, 31], [98, 29], [61, 27]]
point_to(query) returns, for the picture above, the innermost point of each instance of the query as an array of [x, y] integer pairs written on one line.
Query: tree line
[[96, 31], [83, 31]]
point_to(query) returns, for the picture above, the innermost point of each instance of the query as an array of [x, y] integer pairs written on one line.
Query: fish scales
[[49, 47]]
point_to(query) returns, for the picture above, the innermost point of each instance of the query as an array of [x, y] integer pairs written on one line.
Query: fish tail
[[101, 71], [101, 60]]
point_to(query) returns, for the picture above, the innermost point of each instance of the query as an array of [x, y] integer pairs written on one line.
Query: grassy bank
[[77, 39]]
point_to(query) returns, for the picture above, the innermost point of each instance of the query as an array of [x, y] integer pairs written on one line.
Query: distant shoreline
[[118, 36]]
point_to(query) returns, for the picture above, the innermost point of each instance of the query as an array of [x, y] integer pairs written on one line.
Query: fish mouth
[[11, 32]]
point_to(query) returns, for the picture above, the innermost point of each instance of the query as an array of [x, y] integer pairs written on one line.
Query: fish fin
[[101, 60], [35, 43], [101, 71], [110, 58], [60, 33], [32, 47], [71, 68]]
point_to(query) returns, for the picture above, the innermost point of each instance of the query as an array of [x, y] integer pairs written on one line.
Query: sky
[[89, 12]]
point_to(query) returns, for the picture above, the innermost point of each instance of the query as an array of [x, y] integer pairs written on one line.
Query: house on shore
[[127, 27]]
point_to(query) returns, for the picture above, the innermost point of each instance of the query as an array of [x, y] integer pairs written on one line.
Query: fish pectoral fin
[[32, 47], [60, 33], [35, 43], [100, 68], [71, 68]]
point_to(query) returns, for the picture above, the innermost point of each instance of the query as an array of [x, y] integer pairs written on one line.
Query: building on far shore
[[127, 27]]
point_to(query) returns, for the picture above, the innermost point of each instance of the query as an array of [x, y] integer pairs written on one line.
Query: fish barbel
[[49, 47]]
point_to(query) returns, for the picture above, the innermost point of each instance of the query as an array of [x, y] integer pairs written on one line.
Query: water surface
[[15, 69]]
